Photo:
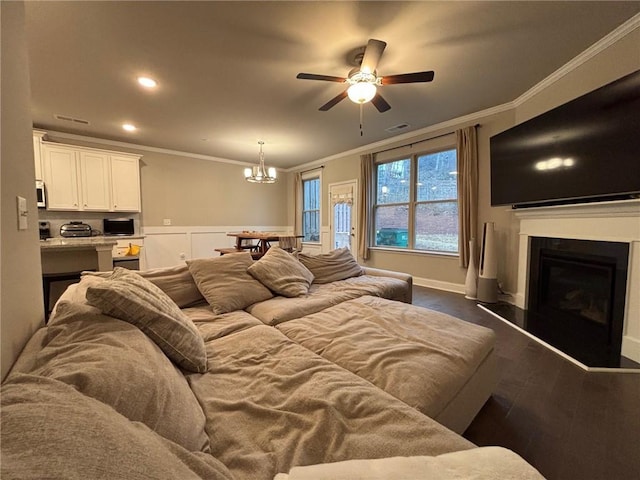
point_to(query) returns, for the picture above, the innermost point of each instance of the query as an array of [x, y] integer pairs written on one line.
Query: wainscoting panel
[[165, 250], [168, 246]]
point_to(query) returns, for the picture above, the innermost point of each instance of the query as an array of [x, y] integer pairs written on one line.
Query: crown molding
[[622, 31], [382, 144], [601, 45], [135, 146]]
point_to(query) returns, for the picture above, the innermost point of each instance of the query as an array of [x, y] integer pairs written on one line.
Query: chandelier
[[258, 173]]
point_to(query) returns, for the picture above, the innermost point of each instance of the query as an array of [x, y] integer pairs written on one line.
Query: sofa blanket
[[271, 404], [281, 309], [420, 356]]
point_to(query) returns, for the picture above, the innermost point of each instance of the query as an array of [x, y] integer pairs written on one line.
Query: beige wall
[[21, 309], [617, 60], [202, 192], [196, 192]]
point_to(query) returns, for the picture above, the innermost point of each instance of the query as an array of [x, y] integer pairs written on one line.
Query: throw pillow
[[282, 273], [225, 283], [177, 283], [333, 266], [128, 296], [115, 362]]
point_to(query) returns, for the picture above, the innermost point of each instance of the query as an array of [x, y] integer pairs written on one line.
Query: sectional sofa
[[286, 367]]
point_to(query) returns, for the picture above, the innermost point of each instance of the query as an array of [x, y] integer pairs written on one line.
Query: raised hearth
[[579, 280], [583, 349]]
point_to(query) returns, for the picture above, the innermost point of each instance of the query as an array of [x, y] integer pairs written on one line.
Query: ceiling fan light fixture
[[258, 173], [361, 92]]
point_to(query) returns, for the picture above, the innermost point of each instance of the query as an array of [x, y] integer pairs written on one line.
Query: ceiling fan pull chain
[[361, 122]]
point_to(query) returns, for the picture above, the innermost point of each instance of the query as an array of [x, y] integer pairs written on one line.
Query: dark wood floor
[[568, 423]]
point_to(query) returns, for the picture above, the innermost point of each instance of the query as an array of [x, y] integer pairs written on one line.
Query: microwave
[[41, 199], [117, 226]]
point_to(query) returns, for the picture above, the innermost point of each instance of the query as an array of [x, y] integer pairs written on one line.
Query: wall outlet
[[166, 221]]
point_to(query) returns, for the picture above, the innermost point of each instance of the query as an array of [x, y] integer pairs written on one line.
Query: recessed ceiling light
[[129, 128], [147, 82]]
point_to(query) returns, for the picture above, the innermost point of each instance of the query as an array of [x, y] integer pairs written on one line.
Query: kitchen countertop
[[59, 243]]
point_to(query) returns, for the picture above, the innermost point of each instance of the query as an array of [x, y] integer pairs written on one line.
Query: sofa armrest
[[405, 277]]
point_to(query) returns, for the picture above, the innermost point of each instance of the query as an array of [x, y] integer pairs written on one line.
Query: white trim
[[601, 45], [617, 34], [559, 352], [439, 285], [598, 47], [168, 230], [147, 148], [621, 208], [372, 147], [354, 211]]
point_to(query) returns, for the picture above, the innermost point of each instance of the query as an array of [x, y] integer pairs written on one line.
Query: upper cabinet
[[38, 135], [125, 177], [89, 179]]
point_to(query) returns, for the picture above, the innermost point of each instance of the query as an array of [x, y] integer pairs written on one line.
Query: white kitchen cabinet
[[60, 171], [89, 179], [125, 177], [37, 154], [95, 181]]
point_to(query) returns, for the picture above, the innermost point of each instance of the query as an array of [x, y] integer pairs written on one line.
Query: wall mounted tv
[[583, 151]]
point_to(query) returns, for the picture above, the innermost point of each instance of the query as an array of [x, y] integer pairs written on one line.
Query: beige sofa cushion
[[282, 273], [128, 296], [329, 267], [114, 362], [177, 283], [50, 430], [225, 283]]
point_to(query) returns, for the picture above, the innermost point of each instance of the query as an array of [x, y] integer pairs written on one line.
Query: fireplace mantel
[[605, 221]]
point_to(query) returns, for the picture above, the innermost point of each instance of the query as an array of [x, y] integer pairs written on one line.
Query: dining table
[[255, 242]]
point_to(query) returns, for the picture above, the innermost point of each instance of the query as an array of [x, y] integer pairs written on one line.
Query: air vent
[[66, 118], [397, 128]]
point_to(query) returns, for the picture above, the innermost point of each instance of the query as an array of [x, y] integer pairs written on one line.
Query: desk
[[63, 259], [244, 242]]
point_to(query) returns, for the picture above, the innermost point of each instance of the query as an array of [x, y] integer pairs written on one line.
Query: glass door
[[342, 197]]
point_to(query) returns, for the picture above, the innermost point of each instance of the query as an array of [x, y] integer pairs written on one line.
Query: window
[[311, 209], [416, 204]]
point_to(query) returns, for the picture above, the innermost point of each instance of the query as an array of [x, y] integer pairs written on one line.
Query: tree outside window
[[417, 203]]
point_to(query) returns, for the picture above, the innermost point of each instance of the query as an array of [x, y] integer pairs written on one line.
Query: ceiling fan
[[364, 80]]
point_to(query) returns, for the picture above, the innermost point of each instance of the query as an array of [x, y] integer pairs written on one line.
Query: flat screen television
[[583, 151]]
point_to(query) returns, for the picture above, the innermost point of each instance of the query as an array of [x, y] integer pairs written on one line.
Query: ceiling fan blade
[[372, 55], [408, 78], [380, 103], [326, 78], [333, 102]]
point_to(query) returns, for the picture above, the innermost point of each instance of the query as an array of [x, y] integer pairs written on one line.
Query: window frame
[[412, 204], [307, 176]]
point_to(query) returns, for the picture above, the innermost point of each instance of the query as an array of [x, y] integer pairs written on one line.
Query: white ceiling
[[226, 70]]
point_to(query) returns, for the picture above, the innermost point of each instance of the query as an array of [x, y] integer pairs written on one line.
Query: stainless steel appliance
[[45, 229], [75, 229], [41, 199], [117, 226]]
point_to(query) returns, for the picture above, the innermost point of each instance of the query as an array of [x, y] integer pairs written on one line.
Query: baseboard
[[439, 285], [631, 348]]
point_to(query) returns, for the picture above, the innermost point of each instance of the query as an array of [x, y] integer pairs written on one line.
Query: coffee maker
[[45, 229]]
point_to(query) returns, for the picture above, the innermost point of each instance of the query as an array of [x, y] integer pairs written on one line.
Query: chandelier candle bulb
[[258, 173]]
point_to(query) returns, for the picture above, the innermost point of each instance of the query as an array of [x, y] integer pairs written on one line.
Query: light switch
[[22, 213]]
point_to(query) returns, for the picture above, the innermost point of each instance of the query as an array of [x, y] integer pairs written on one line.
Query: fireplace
[[576, 297]]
